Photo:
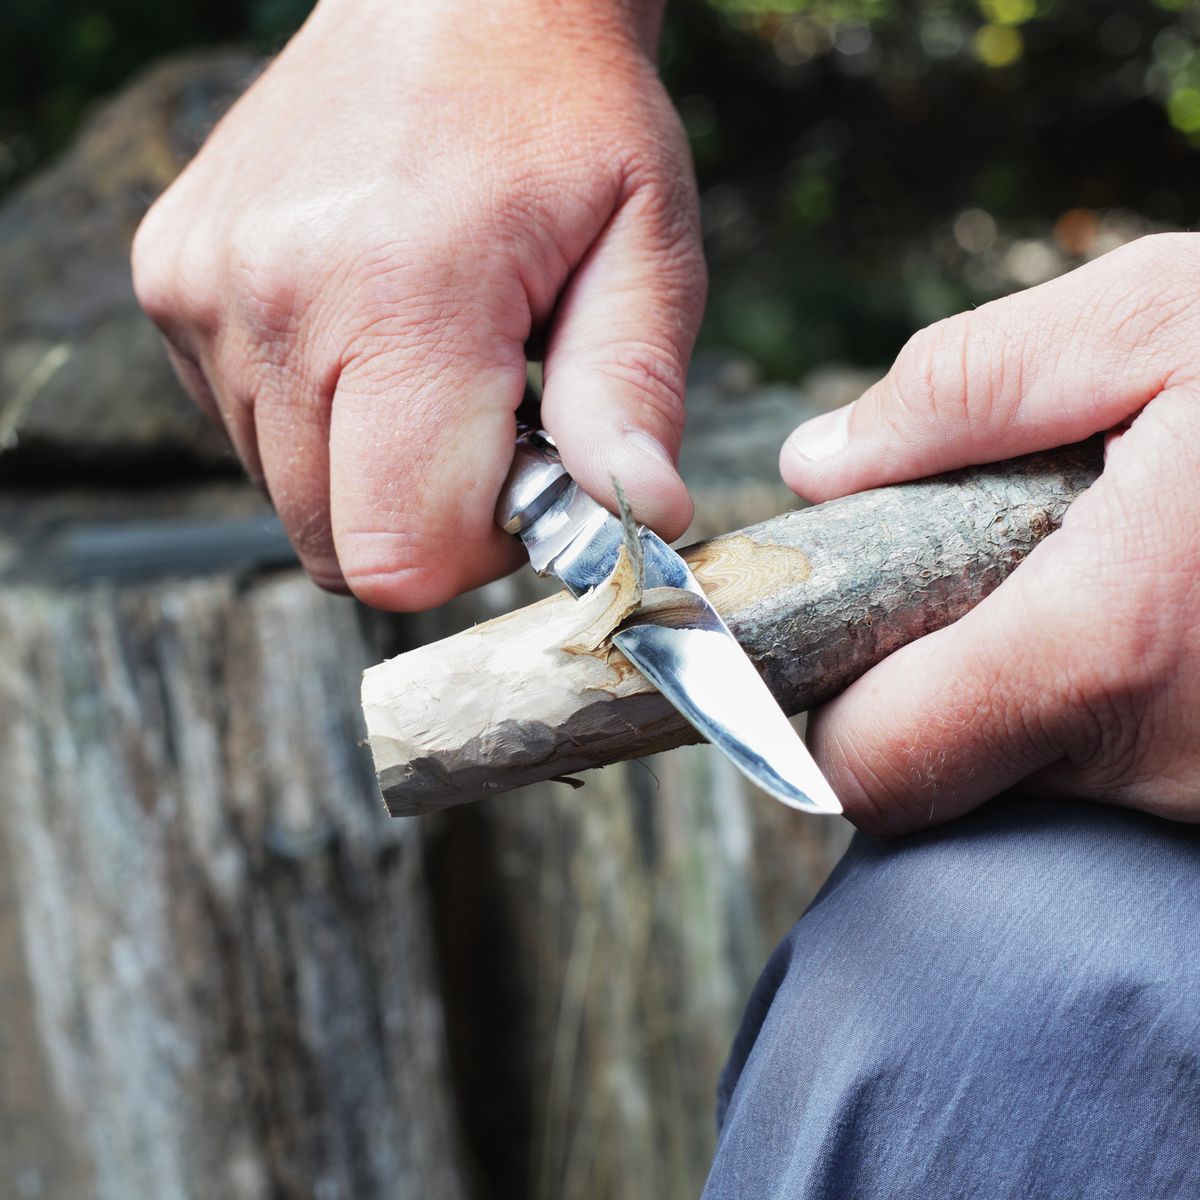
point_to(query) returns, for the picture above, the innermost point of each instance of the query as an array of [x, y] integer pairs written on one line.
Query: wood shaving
[[605, 607]]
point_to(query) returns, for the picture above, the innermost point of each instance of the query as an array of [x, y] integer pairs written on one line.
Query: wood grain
[[816, 596]]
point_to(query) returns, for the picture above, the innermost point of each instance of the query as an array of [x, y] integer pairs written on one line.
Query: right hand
[[348, 272]]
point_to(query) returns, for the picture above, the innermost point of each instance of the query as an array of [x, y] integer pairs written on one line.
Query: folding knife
[[693, 660]]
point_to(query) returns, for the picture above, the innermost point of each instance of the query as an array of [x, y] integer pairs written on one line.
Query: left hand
[[349, 271], [1081, 672]]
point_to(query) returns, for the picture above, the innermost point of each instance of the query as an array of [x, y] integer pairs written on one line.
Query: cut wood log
[[816, 596]]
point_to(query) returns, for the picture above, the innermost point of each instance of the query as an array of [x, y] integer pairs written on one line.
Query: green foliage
[[58, 56], [849, 147]]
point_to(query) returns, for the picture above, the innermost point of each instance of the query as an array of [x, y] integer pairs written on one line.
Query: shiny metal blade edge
[[707, 676], [698, 665]]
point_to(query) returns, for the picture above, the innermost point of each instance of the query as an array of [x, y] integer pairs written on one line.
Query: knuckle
[[152, 261], [424, 349], [928, 376], [266, 255], [952, 373], [437, 295], [391, 570], [144, 259], [1153, 287], [175, 281]]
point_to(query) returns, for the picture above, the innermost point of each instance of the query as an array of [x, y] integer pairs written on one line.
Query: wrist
[[606, 24]]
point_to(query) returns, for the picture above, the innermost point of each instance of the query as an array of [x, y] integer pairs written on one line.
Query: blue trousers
[[1008, 1006]]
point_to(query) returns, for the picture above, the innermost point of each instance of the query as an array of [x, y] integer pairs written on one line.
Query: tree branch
[[816, 596]]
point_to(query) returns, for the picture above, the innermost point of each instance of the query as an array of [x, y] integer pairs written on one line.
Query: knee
[[972, 978]]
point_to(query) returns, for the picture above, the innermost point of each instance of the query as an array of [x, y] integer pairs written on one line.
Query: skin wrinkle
[[988, 700], [920, 376], [417, 343], [651, 194], [1126, 729], [992, 389], [1010, 372], [886, 418], [984, 395], [865, 792], [1144, 324], [1104, 309], [658, 378]]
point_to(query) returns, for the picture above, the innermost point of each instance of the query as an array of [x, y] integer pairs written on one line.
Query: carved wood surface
[[817, 596]]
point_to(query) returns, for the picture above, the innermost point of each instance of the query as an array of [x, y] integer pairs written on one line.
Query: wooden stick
[[816, 596]]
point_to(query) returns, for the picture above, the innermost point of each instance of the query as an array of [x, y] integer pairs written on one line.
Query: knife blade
[[689, 654]]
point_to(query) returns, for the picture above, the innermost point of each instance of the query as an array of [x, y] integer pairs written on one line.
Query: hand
[[1081, 672], [348, 273]]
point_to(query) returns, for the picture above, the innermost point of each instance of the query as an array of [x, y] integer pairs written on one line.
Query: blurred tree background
[[867, 166]]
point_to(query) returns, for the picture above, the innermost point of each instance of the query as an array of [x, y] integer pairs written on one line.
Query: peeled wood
[[816, 596]]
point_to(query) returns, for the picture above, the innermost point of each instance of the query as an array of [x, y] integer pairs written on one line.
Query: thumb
[[616, 362], [1042, 368]]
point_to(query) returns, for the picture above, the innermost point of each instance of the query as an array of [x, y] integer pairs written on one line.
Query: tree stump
[[228, 951]]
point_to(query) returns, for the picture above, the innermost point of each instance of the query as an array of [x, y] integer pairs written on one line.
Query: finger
[[1042, 368], [966, 712], [291, 421], [421, 438], [224, 405], [191, 375], [279, 359], [617, 360], [1068, 674]]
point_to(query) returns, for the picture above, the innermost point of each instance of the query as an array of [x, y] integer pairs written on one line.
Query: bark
[[816, 596]]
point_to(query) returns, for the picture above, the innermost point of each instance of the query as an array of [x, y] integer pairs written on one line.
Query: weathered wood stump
[[229, 952], [233, 974]]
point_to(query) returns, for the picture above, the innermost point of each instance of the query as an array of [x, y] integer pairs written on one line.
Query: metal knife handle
[[535, 481]]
